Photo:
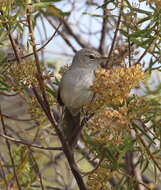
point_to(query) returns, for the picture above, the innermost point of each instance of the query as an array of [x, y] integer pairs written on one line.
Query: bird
[[74, 89]]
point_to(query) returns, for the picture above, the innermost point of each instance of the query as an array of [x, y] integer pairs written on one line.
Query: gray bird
[[74, 90]]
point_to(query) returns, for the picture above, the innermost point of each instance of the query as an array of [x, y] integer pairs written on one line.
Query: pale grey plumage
[[76, 82], [74, 90]]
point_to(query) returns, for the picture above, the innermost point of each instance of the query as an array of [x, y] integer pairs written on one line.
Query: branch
[[28, 144], [115, 34], [39, 74], [10, 152], [133, 170], [66, 148], [36, 167], [103, 31], [70, 31], [144, 53], [3, 175], [43, 46], [61, 34], [18, 58], [147, 149]]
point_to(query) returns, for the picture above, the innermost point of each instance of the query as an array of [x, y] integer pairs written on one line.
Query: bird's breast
[[75, 88]]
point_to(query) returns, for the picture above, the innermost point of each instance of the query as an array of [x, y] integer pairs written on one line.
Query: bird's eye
[[91, 57]]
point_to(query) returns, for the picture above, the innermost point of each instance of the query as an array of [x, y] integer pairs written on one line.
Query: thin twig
[[43, 46], [134, 180], [98, 165], [5, 94], [129, 49], [13, 118], [146, 148], [39, 74], [149, 45], [18, 59], [144, 53], [61, 34], [36, 167], [4, 176], [76, 37], [103, 31], [66, 148], [9, 150], [115, 34], [30, 145]]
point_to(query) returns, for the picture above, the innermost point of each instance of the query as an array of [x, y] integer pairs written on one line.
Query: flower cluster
[[109, 125], [111, 113], [63, 69], [113, 86], [99, 179], [26, 74]]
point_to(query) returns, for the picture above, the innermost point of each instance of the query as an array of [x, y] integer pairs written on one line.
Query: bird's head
[[88, 58]]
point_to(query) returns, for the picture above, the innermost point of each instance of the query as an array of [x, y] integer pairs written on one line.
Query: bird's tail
[[72, 128]]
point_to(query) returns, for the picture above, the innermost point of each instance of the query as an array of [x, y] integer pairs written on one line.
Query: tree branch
[[103, 31], [10, 153], [115, 34]]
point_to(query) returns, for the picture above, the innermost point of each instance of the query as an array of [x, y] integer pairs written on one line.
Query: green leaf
[[142, 44], [57, 12], [124, 32], [20, 27], [3, 89], [145, 42], [145, 166], [144, 19], [105, 4], [4, 84], [41, 4], [3, 61], [94, 15], [150, 66], [142, 11], [137, 9], [57, 82], [144, 133], [51, 0], [140, 33], [52, 92]]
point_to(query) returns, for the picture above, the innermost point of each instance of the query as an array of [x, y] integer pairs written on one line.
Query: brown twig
[[146, 148], [43, 46], [76, 37], [39, 74], [36, 167], [4, 176], [66, 148], [145, 51], [5, 94], [62, 35], [98, 165], [115, 34], [129, 49], [13, 118], [18, 59], [10, 153], [103, 31], [149, 45], [133, 170], [134, 180], [29, 144]]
